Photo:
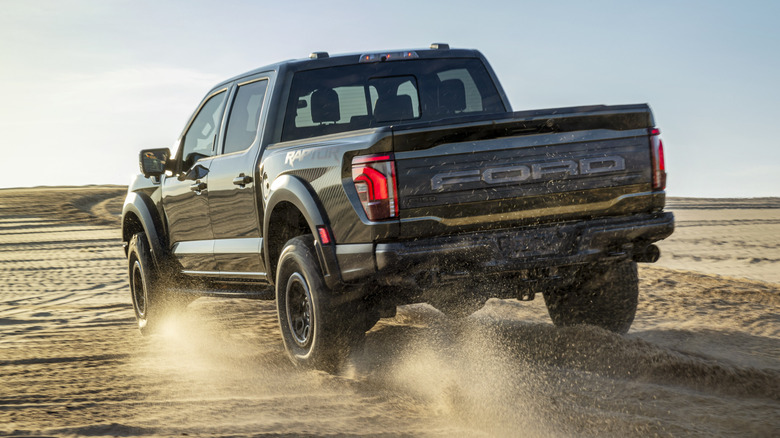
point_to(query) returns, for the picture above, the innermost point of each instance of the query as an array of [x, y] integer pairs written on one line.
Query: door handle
[[242, 180], [198, 187]]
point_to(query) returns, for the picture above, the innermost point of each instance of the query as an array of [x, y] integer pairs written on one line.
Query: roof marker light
[[387, 56]]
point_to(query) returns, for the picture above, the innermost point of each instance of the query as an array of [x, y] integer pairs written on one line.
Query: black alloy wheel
[[316, 332]]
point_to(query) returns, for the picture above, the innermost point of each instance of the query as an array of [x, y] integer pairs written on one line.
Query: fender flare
[[289, 188], [143, 208]]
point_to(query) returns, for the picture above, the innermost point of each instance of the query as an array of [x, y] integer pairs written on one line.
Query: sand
[[702, 359], [732, 237]]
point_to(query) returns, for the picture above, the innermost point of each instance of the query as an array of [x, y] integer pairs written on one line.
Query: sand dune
[[702, 359], [739, 238]]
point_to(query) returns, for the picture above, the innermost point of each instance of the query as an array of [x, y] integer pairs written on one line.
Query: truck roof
[[323, 59]]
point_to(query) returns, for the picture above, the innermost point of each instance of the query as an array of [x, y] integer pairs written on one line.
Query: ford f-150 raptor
[[344, 186]]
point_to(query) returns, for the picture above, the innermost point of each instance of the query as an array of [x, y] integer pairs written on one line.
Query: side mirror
[[154, 162], [191, 159]]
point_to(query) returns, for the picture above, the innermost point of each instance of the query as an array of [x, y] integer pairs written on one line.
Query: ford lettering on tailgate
[[533, 171]]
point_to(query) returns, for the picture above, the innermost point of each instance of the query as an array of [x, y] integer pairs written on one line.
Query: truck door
[[185, 195], [234, 207]]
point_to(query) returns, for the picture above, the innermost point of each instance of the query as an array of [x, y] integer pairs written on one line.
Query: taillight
[[374, 178], [657, 155]]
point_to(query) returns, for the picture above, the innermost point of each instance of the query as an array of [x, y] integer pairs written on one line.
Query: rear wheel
[[604, 295], [316, 332]]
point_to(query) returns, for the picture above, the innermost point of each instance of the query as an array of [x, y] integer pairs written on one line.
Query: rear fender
[[288, 188]]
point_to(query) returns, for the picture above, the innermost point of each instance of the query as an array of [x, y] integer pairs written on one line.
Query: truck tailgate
[[532, 167]]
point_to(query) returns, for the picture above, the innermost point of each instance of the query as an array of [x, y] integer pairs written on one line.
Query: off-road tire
[[604, 295], [317, 333], [145, 290], [152, 300]]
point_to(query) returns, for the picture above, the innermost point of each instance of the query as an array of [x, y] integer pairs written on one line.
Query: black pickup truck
[[344, 186]]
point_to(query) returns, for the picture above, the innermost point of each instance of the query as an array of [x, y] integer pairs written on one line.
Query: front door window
[[201, 137]]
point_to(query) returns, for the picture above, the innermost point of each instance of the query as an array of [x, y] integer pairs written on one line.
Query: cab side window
[[245, 116], [202, 134]]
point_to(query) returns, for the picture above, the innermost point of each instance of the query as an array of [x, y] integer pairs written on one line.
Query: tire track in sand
[[699, 361]]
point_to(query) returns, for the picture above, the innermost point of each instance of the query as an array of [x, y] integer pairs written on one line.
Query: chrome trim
[[354, 248], [194, 247], [202, 273], [264, 78], [537, 212], [258, 275], [238, 246], [243, 274], [220, 246]]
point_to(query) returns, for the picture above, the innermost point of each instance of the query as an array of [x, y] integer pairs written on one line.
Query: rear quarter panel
[[323, 164]]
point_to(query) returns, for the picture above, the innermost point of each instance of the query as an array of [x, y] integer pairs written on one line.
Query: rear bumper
[[506, 250]]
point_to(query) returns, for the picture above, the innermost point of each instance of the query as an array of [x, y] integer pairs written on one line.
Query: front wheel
[[604, 295], [316, 333], [144, 285]]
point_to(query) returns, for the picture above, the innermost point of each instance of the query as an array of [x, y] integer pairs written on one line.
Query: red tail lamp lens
[[375, 182], [657, 155]]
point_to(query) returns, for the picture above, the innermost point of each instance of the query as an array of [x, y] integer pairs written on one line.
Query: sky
[[87, 84]]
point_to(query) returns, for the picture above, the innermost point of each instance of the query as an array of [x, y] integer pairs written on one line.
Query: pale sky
[[86, 84]]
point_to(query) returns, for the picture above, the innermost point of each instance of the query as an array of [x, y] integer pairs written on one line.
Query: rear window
[[339, 99]]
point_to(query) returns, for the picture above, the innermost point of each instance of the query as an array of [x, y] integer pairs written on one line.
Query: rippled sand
[[702, 359], [731, 237]]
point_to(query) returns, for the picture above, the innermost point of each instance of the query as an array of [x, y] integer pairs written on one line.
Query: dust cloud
[[702, 359]]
